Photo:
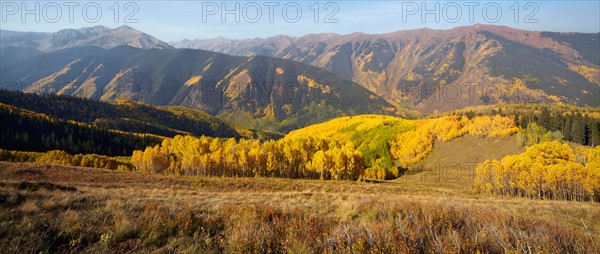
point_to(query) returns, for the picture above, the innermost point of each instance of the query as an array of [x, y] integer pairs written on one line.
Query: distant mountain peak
[[125, 27], [100, 36]]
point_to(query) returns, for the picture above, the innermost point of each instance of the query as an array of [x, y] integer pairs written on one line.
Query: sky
[[177, 20]]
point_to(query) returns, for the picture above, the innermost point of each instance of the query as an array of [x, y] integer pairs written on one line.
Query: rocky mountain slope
[[257, 91], [441, 70]]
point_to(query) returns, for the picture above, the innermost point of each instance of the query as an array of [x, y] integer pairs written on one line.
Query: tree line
[[575, 126], [58, 157], [306, 158], [581, 126], [550, 170]]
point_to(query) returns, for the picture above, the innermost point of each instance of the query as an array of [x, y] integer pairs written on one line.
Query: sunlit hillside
[[391, 145], [338, 132], [369, 133]]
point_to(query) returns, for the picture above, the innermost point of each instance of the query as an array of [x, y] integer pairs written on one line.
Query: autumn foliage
[[308, 158], [344, 148], [369, 133], [412, 147], [59, 157], [549, 170]]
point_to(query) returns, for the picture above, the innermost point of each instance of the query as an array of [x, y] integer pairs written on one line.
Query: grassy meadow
[[74, 209]]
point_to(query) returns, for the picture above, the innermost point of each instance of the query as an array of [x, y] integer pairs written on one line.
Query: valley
[[474, 139]]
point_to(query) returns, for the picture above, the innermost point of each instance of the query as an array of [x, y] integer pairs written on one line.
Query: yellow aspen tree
[[137, 160], [230, 150], [592, 166], [318, 163], [485, 173]]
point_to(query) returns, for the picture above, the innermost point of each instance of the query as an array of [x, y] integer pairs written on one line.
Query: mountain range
[[282, 83], [99, 36], [259, 91], [441, 70], [16, 47]]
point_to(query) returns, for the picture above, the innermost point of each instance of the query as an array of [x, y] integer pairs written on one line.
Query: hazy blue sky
[[176, 20]]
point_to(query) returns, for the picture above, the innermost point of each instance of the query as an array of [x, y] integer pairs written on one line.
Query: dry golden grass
[[67, 209]]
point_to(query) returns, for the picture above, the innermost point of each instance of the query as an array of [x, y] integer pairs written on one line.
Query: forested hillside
[[33, 122], [25, 130], [122, 115], [580, 125], [366, 146]]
